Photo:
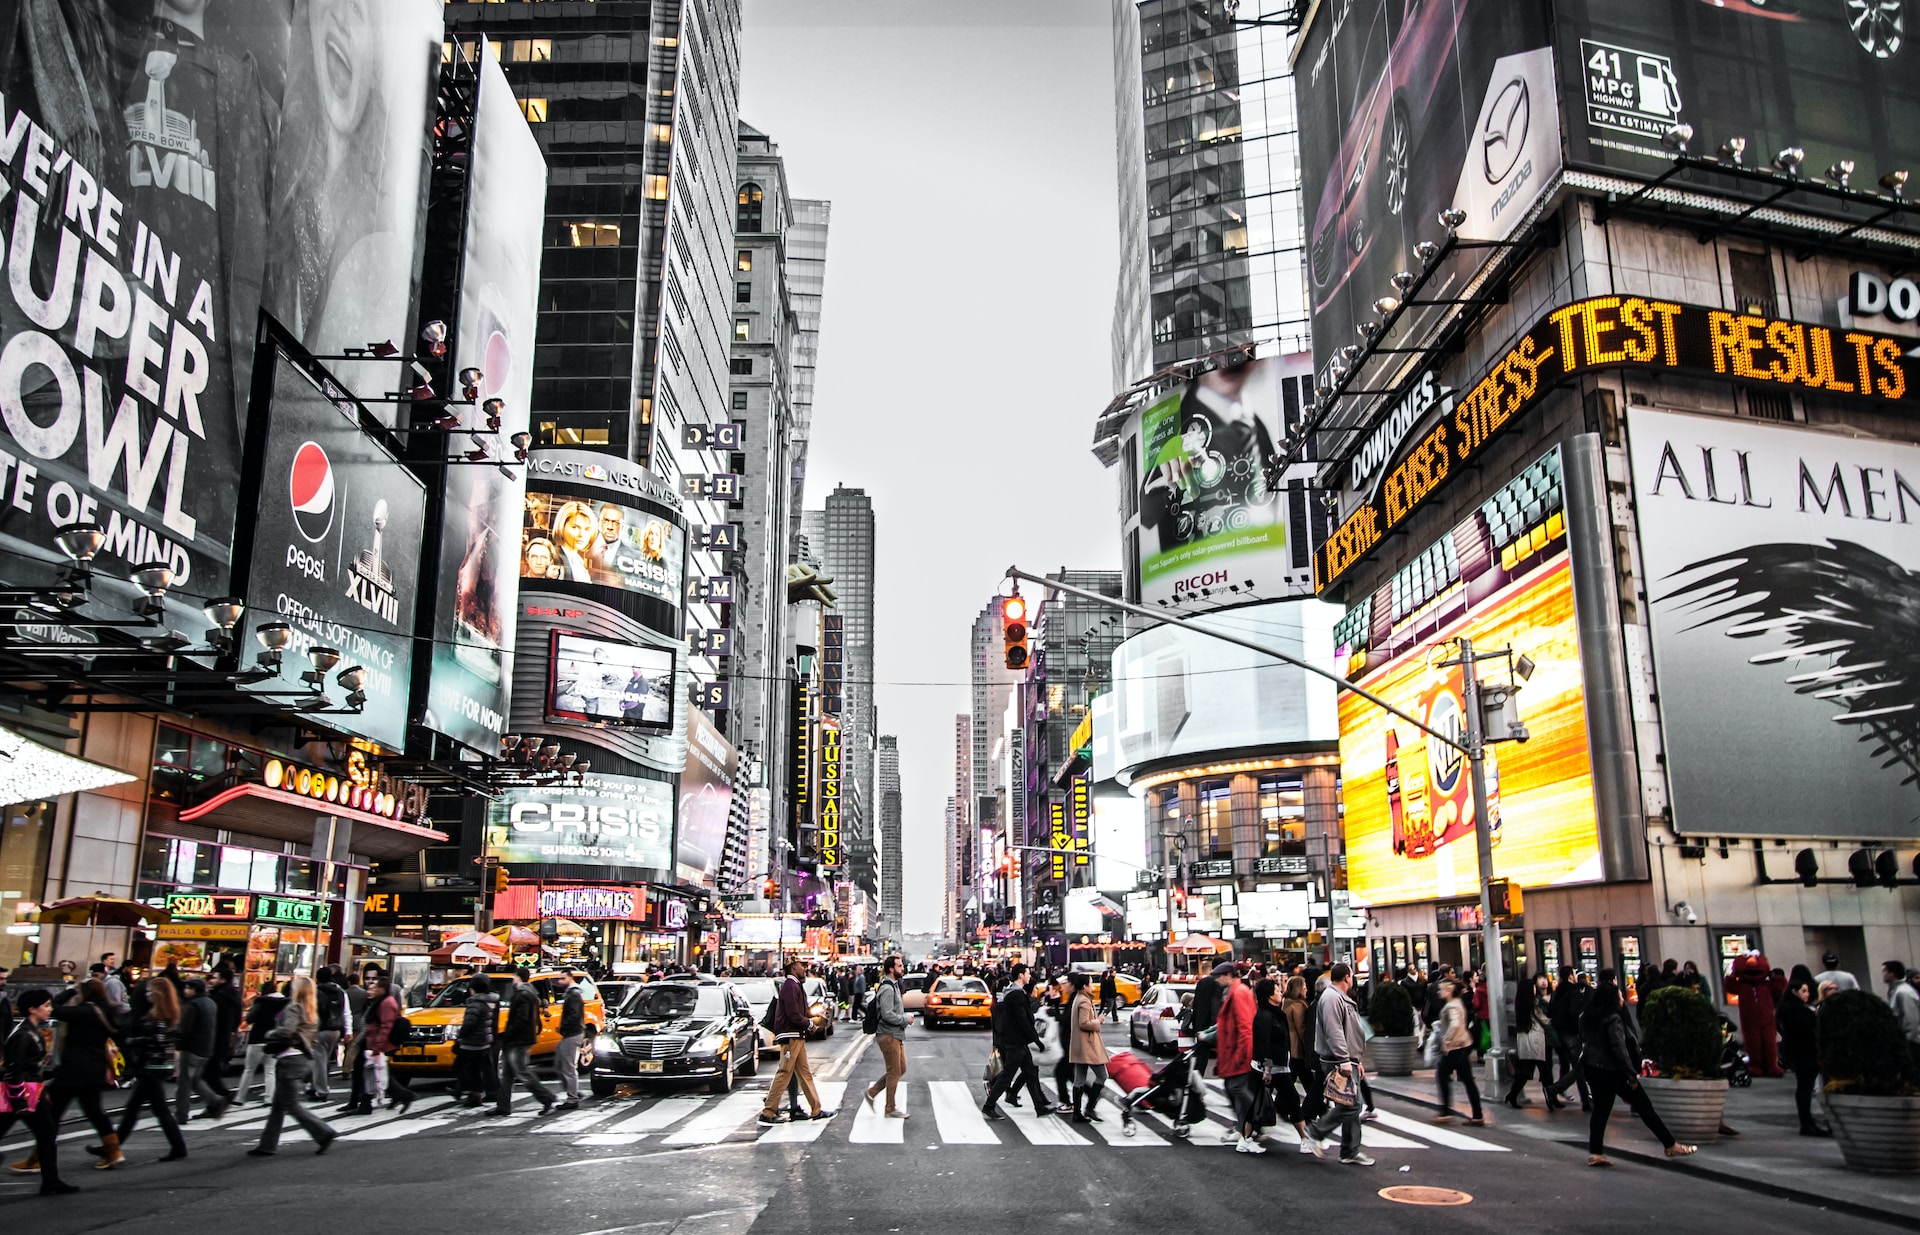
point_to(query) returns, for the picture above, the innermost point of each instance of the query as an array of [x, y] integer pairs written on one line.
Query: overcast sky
[[967, 147]]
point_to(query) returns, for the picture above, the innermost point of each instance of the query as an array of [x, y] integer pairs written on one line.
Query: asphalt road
[[682, 1163]]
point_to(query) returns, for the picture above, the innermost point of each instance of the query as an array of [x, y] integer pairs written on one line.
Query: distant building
[[892, 870]]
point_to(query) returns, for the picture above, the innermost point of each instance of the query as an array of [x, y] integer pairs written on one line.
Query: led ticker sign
[[829, 795], [285, 912], [1082, 803], [1605, 332], [209, 907], [1057, 818]]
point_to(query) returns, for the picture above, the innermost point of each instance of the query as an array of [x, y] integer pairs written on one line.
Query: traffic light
[[770, 889], [1013, 612], [1860, 866], [499, 880]]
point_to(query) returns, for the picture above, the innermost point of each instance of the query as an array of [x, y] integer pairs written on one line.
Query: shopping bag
[[1343, 1086], [993, 1066]]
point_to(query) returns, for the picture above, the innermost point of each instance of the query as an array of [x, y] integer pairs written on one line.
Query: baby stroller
[[1173, 1091]]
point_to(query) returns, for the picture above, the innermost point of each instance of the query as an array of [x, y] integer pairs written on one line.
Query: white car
[[759, 993], [1155, 1023]]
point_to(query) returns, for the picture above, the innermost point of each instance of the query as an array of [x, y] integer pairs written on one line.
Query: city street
[[694, 1164]]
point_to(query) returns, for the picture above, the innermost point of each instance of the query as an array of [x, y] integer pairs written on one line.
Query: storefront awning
[[275, 813]]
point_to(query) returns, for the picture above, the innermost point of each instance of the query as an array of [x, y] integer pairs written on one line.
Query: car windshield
[[671, 1001], [968, 986], [913, 982], [457, 992], [756, 990]]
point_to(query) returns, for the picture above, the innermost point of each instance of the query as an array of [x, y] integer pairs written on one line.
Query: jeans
[[1572, 1071], [474, 1073], [326, 1047], [1016, 1069], [150, 1090], [1346, 1118], [566, 1061], [196, 1076], [1805, 1073], [894, 1052], [1243, 1093], [1458, 1063], [258, 1061], [294, 1069], [793, 1066], [1611, 1083], [46, 1146], [515, 1066]]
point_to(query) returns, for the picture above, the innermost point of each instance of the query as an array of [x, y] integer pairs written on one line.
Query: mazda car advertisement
[[336, 556], [1409, 108]]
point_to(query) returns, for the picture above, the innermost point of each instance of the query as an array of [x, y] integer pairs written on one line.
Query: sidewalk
[[1769, 1155]]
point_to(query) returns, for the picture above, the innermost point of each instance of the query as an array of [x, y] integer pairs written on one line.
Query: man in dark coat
[[1563, 1016], [1206, 1009], [516, 1044], [199, 1035], [1015, 1036]]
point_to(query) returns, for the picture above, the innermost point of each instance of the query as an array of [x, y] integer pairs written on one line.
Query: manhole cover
[[1413, 1194]]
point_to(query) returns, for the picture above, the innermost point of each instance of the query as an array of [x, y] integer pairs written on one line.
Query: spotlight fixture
[[274, 638], [172, 641], [470, 380], [1732, 149], [1352, 352], [1676, 137], [1788, 161], [1426, 251], [1895, 182], [493, 409], [1452, 218], [353, 678], [1403, 281], [1523, 667], [1841, 173], [154, 579], [1386, 306], [80, 541], [445, 420], [477, 455], [434, 336], [225, 613], [1367, 329], [520, 441], [419, 393], [383, 350], [323, 660]]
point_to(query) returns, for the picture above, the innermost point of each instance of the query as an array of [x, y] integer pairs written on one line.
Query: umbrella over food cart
[[517, 938], [100, 910], [1201, 944], [467, 947]]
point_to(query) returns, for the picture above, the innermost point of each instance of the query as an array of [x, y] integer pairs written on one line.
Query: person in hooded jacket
[[474, 1072], [1611, 1055], [198, 1037], [522, 1030], [22, 1066], [330, 997], [230, 1012]]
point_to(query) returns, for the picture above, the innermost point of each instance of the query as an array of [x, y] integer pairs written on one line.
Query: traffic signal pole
[[1471, 746]]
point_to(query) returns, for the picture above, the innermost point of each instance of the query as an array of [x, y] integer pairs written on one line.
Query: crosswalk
[[942, 1112]]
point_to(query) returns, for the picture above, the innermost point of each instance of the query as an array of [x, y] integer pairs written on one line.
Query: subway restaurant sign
[[1619, 332]]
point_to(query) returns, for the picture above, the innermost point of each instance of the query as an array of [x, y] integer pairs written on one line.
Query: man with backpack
[[791, 1020], [888, 1019], [517, 1037], [331, 1003], [1014, 1036]]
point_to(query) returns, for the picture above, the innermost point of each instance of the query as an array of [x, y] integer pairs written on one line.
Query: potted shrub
[[1870, 1095], [1680, 1033], [1392, 1049]]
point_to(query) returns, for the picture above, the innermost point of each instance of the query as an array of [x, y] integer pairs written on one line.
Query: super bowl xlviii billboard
[[335, 554], [1780, 578]]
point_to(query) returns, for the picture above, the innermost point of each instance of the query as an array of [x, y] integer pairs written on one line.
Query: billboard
[[706, 799], [1406, 110], [336, 551], [599, 681], [469, 686], [601, 820], [1780, 582], [1211, 511], [1841, 80], [1502, 579], [1179, 692], [588, 540]]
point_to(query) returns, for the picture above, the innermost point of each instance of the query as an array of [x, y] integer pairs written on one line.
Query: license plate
[[649, 1065], [410, 1052]]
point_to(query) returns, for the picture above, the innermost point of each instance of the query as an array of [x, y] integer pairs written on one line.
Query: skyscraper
[[960, 836], [845, 550], [1211, 236], [806, 268], [892, 869]]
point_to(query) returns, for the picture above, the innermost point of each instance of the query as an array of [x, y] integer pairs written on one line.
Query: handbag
[[1343, 1086], [994, 1065], [1264, 1114], [1433, 1050], [20, 1097]]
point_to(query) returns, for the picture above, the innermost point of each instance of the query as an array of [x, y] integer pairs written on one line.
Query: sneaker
[[1306, 1144], [1229, 1135], [869, 1099], [825, 1113], [571, 1104], [1318, 1148], [1357, 1160], [992, 1112], [768, 1121], [1369, 1115], [1247, 1145], [903, 1115]]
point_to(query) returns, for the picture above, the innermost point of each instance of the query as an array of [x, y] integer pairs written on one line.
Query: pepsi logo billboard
[[335, 554]]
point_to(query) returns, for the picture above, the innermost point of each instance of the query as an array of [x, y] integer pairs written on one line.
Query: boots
[[110, 1155], [29, 1165]]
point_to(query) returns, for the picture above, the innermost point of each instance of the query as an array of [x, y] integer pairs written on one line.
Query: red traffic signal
[[1013, 614]]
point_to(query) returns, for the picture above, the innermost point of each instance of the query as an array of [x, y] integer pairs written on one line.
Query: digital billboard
[[706, 800], [587, 540], [336, 552], [1503, 579], [1407, 109], [1780, 578], [1212, 511], [598, 681], [471, 680], [600, 820], [1179, 692], [1840, 80]]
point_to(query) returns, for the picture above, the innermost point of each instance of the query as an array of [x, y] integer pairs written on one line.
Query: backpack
[[870, 1021], [401, 1031], [333, 1008]]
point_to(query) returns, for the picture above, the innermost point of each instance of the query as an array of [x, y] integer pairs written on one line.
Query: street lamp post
[[1471, 745]]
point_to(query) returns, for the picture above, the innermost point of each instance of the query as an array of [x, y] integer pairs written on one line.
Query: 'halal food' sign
[[1607, 332]]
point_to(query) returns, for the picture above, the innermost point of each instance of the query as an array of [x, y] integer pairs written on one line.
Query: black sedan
[[677, 1031]]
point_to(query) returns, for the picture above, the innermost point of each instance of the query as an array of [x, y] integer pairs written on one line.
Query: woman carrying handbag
[[152, 1047], [291, 1043], [22, 1096]]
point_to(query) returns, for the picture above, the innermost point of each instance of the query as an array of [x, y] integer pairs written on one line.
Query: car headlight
[[712, 1044], [604, 1045], [818, 1009]]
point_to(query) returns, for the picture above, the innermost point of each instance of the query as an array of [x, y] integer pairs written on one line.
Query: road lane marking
[[663, 1113], [1439, 1135], [959, 1120], [1044, 1129], [720, 1122], [394, 1129], [572, 1121], [1115, 1134], [871, 1127], [808, 1130]]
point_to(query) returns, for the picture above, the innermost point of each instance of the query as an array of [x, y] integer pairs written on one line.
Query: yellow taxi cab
[[1124, 985], [952, 1000], [431, 1048]]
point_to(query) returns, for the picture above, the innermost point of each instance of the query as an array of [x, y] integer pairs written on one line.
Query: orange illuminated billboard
[[1409, 803]]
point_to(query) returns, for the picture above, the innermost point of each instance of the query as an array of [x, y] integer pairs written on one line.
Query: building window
[[1752, 275], [593, 235], [657, 188], [663, 133], [740, 365], [745, 260], [529, 50], [742, 327], [748, 215], [1216, 819], [535, 110], [743, 293], [1283, 816], [739, 400]]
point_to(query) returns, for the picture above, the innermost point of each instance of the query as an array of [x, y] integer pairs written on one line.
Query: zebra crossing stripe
[[872, 1127], [959, 1120], [721, 1122], [394, 1129], [1113, 1132], [1044, 1129], [572, 1121], [808, 1130], [1440, 1136]]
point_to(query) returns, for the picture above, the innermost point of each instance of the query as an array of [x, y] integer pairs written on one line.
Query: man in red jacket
[[1233, 1057]]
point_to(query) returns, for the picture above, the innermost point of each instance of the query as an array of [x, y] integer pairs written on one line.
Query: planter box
[[1393, 1056], [1690, 1109], [1876, 1134]]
